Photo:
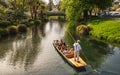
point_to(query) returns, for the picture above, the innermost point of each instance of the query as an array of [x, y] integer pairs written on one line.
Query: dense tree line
[[15, 9], [77, 9]]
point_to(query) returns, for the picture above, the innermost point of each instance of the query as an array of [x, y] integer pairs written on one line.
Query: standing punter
[[77, 49]]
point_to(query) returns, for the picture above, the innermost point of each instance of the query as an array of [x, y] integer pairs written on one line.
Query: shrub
[[31, 23], [13, 30], [22, 28], [26, 22], [4, 32], [4, 24], [89, 27], [83, 29], [37, 22]]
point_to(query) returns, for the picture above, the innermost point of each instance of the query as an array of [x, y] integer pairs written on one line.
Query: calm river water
[[33, 54]]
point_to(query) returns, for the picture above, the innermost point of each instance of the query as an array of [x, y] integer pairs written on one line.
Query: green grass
[[106, 30]]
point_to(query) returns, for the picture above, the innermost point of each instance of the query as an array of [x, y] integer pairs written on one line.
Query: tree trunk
[[35, 14], [31, 12], [90, 13], [85, 14]]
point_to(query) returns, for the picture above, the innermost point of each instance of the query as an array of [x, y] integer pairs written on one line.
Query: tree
[[76, 9], [35, 6], [3, 9], [72, 9], [21, 6], [17, 9], [3, 3]]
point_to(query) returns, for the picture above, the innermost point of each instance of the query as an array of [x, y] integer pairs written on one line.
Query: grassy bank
[[106, 30]]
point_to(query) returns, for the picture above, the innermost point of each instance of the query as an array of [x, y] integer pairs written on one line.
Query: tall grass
[[106, 30]]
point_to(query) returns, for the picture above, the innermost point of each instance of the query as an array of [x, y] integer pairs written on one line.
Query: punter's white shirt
[[77, 46]]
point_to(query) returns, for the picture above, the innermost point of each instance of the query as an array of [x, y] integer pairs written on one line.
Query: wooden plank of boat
[[71, 60], [77, 64]]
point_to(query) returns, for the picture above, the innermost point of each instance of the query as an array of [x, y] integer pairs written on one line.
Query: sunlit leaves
[[107, 30], [72, 8]]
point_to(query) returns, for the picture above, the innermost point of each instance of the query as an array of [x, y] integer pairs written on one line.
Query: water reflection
[[112, 62], [20, 51], [24, 50], [33, 54], [3, 50]]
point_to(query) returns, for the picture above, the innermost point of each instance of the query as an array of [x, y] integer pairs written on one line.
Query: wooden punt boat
[[71, 60]]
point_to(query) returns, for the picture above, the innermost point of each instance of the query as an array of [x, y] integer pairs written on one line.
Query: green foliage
[[37, 22], [4, 24], [53, 17], [36, 6], [17, 9], [22, 28], [3, 3], [13, 30], [31, 23], [75, 9], [19, 15], [26, 22], [71, 26], [3, 32], [107, 30], [103, 4]]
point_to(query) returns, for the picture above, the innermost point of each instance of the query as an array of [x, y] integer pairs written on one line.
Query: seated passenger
[[66, 50], [56, 42], [70, 53], [61, 43], [63, 47]]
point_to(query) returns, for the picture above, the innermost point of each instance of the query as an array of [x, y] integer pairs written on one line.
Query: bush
[[4, 24], [31, 23], [4, 32], [26, 22], [22, 28], [13, 30], [37, 22], [83, 29]]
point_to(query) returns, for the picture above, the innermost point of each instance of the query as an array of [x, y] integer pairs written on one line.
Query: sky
[[54, 1], [46, 1]]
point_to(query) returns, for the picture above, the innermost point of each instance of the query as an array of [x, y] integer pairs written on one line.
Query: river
[[33, 54]]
